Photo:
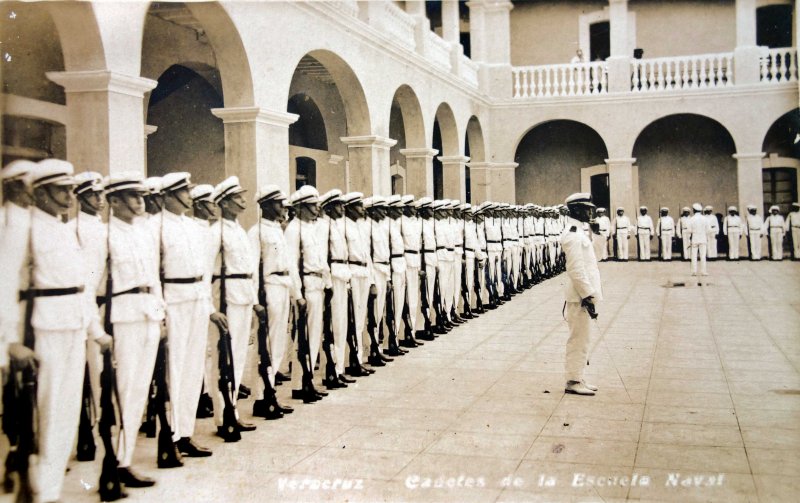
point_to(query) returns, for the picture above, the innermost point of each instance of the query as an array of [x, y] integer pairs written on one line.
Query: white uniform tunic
[[494, 246], [381, 255], [411, 228], [644, 232], [185, 258], [732, 227], [16, 225], [431, 259], [340, 279], [601, 239], [398, 261], [775, 228], [754, 229], [665, 228], [445, 249], [457, 231], [684, 234], [471, 252], [583, 280]]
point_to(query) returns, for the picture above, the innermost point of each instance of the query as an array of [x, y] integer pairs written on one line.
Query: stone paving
[[699, 401]]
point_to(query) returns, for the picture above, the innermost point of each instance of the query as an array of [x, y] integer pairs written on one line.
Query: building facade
[[673, 102]]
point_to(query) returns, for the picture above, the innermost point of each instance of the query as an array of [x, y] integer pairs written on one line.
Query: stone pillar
[[423, 26], [369, 164], [623, 186], [490, 39], [619, 61], [454, 180], [419, 170], [504, 181], [256, 147], [148, 130], [451, 32], [749, 180], [746, 66], [105, 113], [480, 179]]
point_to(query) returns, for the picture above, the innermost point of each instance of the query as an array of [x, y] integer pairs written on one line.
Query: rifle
[[301, 325], [327, 338], [424, 303], [476, 286], [20, 424], [374, 347], [352, 339], [390, 314], [86, 445], [272, 409], [227, 382]]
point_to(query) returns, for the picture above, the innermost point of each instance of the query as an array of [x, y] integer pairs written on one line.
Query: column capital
[[621, 160], [232, 115], [413, 153], [102, 81], [504, 165], [149, 129], [749, 156], [453, 159], [491, 5], [479, 165], [368, 141]]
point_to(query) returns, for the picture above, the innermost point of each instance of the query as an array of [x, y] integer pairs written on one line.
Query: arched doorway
[[475, 149], [780, 172], [448, 178], [308, 144], [551, 157], [409, 158]]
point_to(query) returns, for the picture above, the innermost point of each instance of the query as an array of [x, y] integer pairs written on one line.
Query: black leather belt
[[183, 281], [216, 277], [279, 273], [356, 262], [414, 252], [50, 292], [398, 255], [492, 241], [428, 251], [101, 299], [316, 274], [339, 261], [381, 263], [469, 249]]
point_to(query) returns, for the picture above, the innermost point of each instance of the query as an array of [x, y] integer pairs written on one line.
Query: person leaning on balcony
[[775, 231], [732, 227], [792, 228], [577, 58], [754, 230], [698, 236], [622, 233]]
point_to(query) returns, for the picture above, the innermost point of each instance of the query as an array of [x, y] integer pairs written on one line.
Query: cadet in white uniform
[[698, 236], [665, 230], [62, 313], [582, 291], [137, 309], [187, 292], [684, 233], [775, 227], [457, 232], [381, 255], [754, 230], [622, 229], [411, 229], [398, 267], [494, 246], [445, 249], [793, 227], [713, 231], [430, 257], [229, 241], [601, 239], [732, 228], [644, 233], [472, 253]]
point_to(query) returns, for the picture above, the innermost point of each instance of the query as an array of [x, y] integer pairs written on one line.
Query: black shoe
[[299, 394], [246, 426], [357, 371], [285, 409], [333, 383], [262, 408], [394, 352], [281, 378], [190, 449], [376, 361], [321, 394], [131, 479], [169, 456], [148, 427], [367, 371], [346, 380], [245, 390]]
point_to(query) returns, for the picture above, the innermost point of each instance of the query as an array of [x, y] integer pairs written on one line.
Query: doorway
[[780, 188], [599, 41], [601, 193], [306, 172]]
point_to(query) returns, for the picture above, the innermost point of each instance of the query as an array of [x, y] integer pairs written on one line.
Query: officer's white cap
[[407, 199], [454, 204], [774, 207], [708, 207], [154, 184], [796, 205], [228, 187], [437, 204], [269, 192], [378, 202], [20, 169], [202, 192], [732, 208], [697, 207], [88, 181], [465, 207], [352, 198], [175, 181], [332, 196], [127, 180], [53, 172], [306, 194], [423, 202], [369, 202], [394, 201]]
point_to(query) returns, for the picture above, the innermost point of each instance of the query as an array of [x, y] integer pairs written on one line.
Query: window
[[306, 172], [780, 187], [774, 26]]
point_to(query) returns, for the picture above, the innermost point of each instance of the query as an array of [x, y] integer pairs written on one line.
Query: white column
[[454, 180], [746, 69], [490, 40], [256, 147], [749, 179], [423, 26], [419, 170], [148, 130], [451, 33], [504, 181], [623, 185], [480, 179], [369, 163], [619, 61], [105, 119]]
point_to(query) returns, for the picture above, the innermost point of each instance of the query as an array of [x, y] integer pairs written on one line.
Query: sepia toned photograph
[[399, 251]]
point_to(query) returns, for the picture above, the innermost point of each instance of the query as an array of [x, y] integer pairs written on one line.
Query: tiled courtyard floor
[[699, 397]]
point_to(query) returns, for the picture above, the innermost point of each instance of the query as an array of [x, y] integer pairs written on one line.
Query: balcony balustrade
[[572, 79], [438, 50], [682, 72], [779, 65]]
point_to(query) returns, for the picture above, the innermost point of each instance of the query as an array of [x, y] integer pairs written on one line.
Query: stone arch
[[551, 156], [448, 130], [685, 158], [413, 122], [780, 137], [309, 130], [477, 145], [79, 33]]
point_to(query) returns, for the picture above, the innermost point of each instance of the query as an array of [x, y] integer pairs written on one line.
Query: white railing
[[399, 26], [779, 65], [469, 71], [682, 72], [572, 79], [438, 50]]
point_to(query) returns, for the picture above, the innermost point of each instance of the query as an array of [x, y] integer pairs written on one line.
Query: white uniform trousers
[[796, 241], [95, 360], [240, 320], [622, 244], [457, 272], [412, 296], [699, 248], [187, 325], [516, 263], [135, 350], [644, 245], [733, 244], [359, 286], [314, 305], [666, 245], [494, 269], [399, 293], [755, 245], [470, 268], [278, 336], [62, 357], [712, 244], [578, 342], [687, 245], [776, 244], [380, 304], [338, 326], [446, 285]]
